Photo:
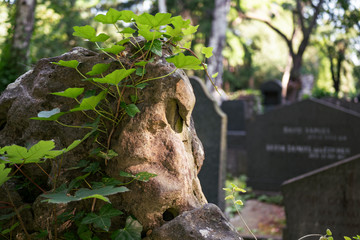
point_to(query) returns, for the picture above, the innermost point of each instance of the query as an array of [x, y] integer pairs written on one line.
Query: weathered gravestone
[[298, 138], [160, 139], [236, 136], [210, 124], [328, 197]]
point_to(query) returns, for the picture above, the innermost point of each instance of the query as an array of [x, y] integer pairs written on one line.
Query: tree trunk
[[162, 6], [15, 57], [294, 85], [24, 26], [217, 41]]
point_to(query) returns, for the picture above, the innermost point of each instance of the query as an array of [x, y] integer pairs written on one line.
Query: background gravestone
[[325, 198], [210, 124], [271, 92], [236, 134], [298, 138]]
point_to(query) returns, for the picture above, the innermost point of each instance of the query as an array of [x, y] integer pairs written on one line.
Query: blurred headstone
[[298, 138], [327, 198], [271, 92], [210, 124]]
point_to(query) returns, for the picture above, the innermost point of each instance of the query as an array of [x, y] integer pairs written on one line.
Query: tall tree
[[305, 14], [15, 57], [217, 40]]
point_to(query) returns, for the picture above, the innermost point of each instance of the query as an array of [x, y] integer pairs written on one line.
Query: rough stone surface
[[161, 139], [204, 223]]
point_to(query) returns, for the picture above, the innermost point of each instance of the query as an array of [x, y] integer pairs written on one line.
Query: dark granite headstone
[[210, 124], [236, 152], [271, 92], [325, 198], [298, 138]]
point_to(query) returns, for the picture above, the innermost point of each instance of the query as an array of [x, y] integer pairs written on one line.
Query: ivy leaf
[[207, 51], [190, 30], [144, 176], [122, 42], [127, 16], [130, 109], [141, 64], [51, 115], [17, 154], [103, 220], [102, 37], [154, 21], [111, 17], [115, 49], [239, 202], [128, 30], [140, 72], [147, 33], [98, 69], [86, 32], [156, 47], [142, 85], [70, 64], [185, 62], [131, 231], [125, 174], [109, 155], [59, 197], [92, 168], [90, 102], [105, 191], [115, 77], [215, 75], [70, 93], [4, 172]]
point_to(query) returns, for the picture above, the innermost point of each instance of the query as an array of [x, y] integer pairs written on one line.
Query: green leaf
[[59, 197], [130, 109], [140, 72], [347, 238], [227, 189], [102, 37], [215, 75], [156, 47], [90, 103], [105, 191], [6, 216], [131, 231], [154, 21], [111, 17], [111, 153], [92, 168], [148, 33], [51, 115], [128, 30], [42, 234], [70, 93], [142, 85], [328, 232], [98, 69], [4, 172], [17, 154], [237, 189], [6, 231], [127, 16], [103, 220], [190, 30], [330, 238], [144, 176], [115, 77], [122, 42], [70, 64], [86, 32], [239, 202], [115, 49], [185, 62], [207, 51], [229, 197], [141, 64]]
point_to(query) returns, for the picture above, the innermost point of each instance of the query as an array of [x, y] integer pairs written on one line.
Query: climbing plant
[[149, 35]]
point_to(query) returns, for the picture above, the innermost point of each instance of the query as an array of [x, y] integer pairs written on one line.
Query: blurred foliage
[[253, 53]]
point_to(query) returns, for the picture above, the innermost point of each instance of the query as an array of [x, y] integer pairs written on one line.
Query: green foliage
[[131, 231], [103, 219]]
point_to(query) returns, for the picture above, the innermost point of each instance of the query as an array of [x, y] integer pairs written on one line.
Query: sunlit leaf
[[131, 231], [142, 63], [127, 16], [185, 62], [130, 109], [98, 69], [147, 33], [207, 51], [128, 30], [51, 115], [86, 32], [70, 93], [115, 49], [229, 197], [239, 202], [115, 77], [111, 17], [190, 30], [215, 75], [90, 102], [102, 37], [154, 21], [70, 64], [155, 47]]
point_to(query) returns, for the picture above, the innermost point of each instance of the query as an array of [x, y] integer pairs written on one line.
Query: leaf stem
[[150, 79], [311, 235]]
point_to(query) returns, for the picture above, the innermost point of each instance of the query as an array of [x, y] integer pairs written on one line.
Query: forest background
[[260, 40]]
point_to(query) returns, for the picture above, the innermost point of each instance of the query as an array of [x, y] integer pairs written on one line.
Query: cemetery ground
[[263, 212]]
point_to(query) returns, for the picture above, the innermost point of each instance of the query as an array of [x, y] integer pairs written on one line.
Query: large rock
[[205, 223], [160, 139]]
